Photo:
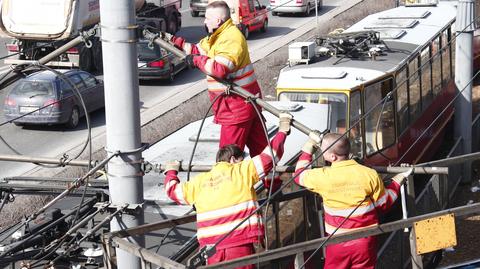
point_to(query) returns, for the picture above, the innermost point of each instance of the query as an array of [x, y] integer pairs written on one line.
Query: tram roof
[[418, 25]]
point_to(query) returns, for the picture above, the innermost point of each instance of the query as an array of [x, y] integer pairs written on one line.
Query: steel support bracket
[[131, 209]]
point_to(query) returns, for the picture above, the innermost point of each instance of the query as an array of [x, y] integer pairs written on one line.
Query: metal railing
[[311, 215]]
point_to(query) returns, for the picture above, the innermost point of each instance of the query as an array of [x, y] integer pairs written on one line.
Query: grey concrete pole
[[463, 74], [122, 113]]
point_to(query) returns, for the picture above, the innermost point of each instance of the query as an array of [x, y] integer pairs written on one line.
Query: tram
[[392, 72]]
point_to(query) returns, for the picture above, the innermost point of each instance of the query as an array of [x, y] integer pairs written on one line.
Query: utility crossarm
[[74, 185], [468, 210], [116, 238], [236, 89], [452, 160], [168, 223], [45, 160], [291, 169]]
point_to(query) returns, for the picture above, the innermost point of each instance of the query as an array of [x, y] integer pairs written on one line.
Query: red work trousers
[[356, 254], [248, 133], [233, 253]]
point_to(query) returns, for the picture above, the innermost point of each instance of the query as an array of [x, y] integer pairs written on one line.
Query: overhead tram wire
[[355, 124], [87, 142], [199, 132], [346, 132], [78, 182], [343, 134], [438, 117], [289, 181], [274, 165], [421, 135], [76, 95]]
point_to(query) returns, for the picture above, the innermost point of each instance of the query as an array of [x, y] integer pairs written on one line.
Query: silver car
[[303, 7], [44, 98]]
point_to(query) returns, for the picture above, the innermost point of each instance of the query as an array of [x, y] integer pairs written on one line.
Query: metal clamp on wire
[[118, 152], [64, 160], [251, 99], [228, 89], [147, 167], [85, 35], [202, 256]]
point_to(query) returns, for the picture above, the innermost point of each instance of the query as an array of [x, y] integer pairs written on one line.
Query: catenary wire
[[198, 134], [274, 165], [421, 135], [78, 95]]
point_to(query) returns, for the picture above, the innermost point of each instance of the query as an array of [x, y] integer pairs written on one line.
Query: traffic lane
[[43, 141], [153, 92], [56, 140]]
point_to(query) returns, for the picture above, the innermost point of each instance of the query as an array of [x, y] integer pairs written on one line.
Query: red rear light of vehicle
[[272, 1], [50, 103], [10, 102], [72, 50], [298, 1], [159, 64], [12, 47]]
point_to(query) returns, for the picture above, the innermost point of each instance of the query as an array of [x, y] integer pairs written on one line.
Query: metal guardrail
[[113, 239], [437, 193], [118, 238]]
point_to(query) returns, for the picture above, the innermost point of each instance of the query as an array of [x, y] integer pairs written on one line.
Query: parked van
[[303, 7], [248, 15]]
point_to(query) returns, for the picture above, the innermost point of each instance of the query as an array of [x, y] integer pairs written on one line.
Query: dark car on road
[[156, 63], [197, 6], [49, 100]]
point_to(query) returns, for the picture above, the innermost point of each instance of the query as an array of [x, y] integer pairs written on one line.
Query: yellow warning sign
[[435, 233]]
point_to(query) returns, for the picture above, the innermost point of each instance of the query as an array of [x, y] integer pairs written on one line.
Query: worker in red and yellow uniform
[[344, 186], [224, 54], [225, 196]]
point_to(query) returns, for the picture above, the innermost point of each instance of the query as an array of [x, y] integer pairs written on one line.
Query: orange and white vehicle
[[248, 15]]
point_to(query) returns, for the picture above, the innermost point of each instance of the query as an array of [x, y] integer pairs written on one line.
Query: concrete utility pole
[[463, 74], [122, 114]]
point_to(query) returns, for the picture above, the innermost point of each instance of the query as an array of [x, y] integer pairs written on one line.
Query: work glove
[[277, 183], [189, 60], [314, 140], [401, 177], [285, 119], [172, 165], [166, 36]]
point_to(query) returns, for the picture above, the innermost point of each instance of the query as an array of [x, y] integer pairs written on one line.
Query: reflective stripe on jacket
[[224, 54], [343, 186], [225, 196]]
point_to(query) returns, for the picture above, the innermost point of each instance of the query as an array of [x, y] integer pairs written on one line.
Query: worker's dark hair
[[341, 147], [226, 152], [222, 5]]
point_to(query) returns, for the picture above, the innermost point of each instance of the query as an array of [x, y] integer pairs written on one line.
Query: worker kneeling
[[225, 196]]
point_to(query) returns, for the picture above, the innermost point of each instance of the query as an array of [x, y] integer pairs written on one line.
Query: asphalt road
[[49, 141]]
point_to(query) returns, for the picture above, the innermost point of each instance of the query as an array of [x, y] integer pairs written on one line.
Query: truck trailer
[[40, 27]]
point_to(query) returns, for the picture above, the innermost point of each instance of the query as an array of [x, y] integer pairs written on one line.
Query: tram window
[[426, 77], [436, 67], [445, 58], [337, 103], [402, 100], [452, 51], [414, 89], [356, 132], [384, 135]]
